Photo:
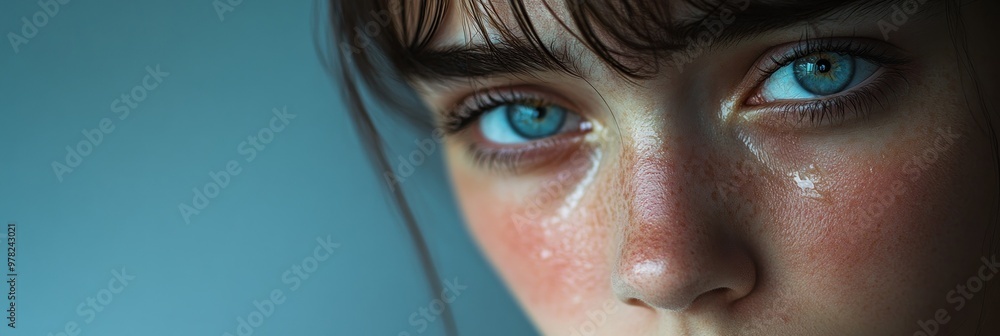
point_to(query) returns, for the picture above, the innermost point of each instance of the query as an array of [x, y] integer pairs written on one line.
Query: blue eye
[[519, 123], [817, 75]]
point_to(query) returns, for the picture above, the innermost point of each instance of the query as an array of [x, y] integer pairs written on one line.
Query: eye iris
[[824, 73], [535, 122]]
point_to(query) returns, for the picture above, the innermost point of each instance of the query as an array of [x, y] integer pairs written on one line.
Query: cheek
[[544, 234], [891, 227]]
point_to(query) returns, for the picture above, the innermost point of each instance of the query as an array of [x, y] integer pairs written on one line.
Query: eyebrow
[[480, 60], [521, 58]]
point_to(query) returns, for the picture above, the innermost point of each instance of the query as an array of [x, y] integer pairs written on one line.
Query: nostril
[[653, 284], [721, 291], [715, 294], [716, 297], [635, 302]]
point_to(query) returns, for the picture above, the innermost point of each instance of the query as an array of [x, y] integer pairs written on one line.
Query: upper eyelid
[[481, 102], [878, 52], [470, 108], [892, 64], [457, 117], [886, 85]]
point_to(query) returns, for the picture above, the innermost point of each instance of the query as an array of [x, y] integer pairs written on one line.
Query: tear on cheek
[[880, 214], [554, 260], [553, 199], [544, 234], [809, 181]]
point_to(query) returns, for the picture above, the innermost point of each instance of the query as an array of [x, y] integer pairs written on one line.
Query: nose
[[677, 247]]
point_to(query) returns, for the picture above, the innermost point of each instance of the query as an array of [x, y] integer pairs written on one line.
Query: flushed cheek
[[882, 223], [545, 236]]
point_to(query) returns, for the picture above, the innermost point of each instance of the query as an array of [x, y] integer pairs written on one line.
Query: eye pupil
[[539, 113], [824, 73], [536, 122], [823, 65]]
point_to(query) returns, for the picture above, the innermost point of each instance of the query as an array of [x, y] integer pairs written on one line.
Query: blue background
[[119, 207]]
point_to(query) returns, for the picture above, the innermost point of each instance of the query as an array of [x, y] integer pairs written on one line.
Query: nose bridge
[[660, 206], [672, 247]]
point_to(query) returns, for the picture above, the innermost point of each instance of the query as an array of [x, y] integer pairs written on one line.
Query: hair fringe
[[640, 30]]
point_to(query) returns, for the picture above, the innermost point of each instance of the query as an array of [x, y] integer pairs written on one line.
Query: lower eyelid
[[873, 50], [531, 155], [527, 157], [866, 100]]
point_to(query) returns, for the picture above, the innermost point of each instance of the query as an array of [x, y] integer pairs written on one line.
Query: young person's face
[[811, 179]]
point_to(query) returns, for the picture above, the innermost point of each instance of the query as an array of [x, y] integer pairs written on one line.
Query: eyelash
[[461, 116], [858, 99], [506, 158], [833, 109]]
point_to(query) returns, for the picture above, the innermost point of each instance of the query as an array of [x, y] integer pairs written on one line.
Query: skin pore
[[695, 202]]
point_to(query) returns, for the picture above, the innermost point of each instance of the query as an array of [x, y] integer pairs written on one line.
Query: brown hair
[[377, 45]]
